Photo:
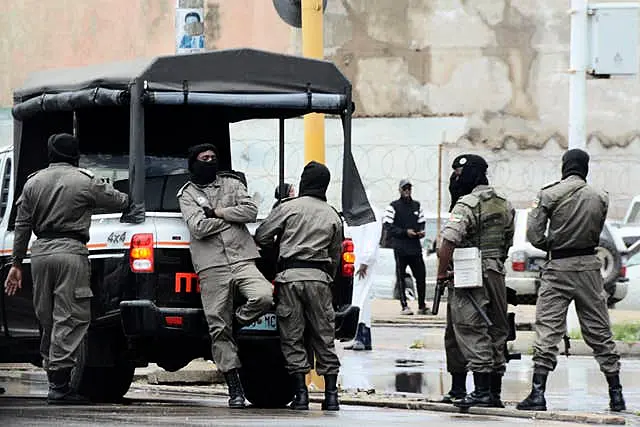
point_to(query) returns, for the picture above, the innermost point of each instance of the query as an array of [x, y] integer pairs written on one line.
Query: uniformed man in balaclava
[[216, 208], [566, 221], [480, 218], [310, 234]]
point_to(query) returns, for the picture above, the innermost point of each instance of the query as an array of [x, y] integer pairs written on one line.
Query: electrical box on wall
[[613, 38]]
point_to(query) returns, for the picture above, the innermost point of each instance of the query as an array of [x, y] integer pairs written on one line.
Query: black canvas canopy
[[152, 106]]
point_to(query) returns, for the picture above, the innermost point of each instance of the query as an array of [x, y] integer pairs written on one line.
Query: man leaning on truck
[[56, 204], [216, 209]]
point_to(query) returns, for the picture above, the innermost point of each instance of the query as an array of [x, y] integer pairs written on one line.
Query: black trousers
[[416, 263]]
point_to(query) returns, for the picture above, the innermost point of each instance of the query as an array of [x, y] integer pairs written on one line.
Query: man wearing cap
[[216, 208], [56, 205], [404, 221], [310, 233], [574, 214], [480, 218]]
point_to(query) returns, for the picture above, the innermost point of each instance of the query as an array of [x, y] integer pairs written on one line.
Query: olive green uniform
[[575, 214], [56, 204], [223, 254], [482, 219], [310, 233]]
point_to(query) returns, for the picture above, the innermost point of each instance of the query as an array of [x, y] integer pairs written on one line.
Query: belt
[[286, 264], [568, 253], [63, 235]]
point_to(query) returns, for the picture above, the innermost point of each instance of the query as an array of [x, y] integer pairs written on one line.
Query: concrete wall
[[501, 63], [38, 34]]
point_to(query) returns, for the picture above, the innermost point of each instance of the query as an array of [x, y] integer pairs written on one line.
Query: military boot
[[301, 399], [496, 390], [616, 400], [481, 396], [535, 401], [60, 392], [330, 393], [236, 394], [458, 388]]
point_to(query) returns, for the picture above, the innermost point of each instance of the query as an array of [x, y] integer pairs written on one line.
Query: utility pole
[[313, 47], [578, 75]]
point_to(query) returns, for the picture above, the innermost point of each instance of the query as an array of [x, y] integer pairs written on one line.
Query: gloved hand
[[209, 213]]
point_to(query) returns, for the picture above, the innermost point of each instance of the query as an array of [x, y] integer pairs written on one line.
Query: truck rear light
[[623, 271], [141, 253], [173, 320], [519, 261], [348, 258]]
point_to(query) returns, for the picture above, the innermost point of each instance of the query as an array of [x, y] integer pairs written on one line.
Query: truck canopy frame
[[148, 106]]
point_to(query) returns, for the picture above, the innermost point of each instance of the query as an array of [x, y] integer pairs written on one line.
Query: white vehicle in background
[[629, 228], [524, 263], [632, 300]]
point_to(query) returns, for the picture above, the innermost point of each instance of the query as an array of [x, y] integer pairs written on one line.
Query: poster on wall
[[189, 26]]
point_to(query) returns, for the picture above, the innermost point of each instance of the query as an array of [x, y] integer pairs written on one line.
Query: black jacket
[[400, 216]]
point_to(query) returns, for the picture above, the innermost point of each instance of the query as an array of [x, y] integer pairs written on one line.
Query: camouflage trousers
[[556, 292], [62, 301], [456, 363], [305, 312], [480, 345], [217, 288]]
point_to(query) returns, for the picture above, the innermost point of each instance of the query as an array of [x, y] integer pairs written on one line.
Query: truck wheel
[[611, 264], [101, 383], [265, 380]]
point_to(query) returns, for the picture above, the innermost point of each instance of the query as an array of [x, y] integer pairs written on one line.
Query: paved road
[[170, 408]]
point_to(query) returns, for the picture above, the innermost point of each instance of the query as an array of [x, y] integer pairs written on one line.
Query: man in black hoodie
[[310, 234], [566, 222]]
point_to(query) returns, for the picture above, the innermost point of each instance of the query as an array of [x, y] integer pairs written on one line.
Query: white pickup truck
[[135, 121]]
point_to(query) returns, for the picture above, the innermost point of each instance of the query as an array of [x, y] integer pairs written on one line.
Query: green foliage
[[626, 332]]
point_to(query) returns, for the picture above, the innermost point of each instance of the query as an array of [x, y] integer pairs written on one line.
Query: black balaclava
[[474, 173], [315, 180], [287, 189], [202, 173], [575, 162], [64, 148]]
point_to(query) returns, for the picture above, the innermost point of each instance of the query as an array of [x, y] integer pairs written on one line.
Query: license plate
[[536, 264], [266, 322]]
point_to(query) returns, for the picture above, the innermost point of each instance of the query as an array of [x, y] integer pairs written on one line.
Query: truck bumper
[[142, 318]]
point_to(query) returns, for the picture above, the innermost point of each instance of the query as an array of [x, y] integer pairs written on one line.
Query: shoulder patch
[[550, 184], [86, 172], [470, 200], [455, 217], [181, 190], [33, 174]]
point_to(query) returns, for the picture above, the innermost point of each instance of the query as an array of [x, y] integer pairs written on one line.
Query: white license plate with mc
[[266, 322]]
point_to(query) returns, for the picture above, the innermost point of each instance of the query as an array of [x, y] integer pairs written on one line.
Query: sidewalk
[[387, 311]]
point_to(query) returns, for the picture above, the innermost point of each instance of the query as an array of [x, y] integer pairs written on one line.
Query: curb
[[506, 412], [413, 404]]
